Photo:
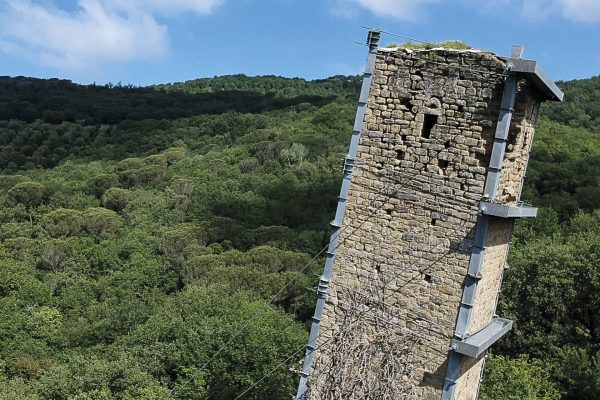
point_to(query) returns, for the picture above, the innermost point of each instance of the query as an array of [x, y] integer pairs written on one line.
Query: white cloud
[[97, 32], [537, 10], [167, 6], [398, 9], [581, 10], [540, 10]]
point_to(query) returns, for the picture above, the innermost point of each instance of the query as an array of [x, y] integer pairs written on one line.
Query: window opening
[[428, 124]]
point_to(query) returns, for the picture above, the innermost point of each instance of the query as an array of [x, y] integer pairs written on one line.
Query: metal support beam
[[507, 211], [474, 345], [466, 305], [473, 277], [501, 136], [538, 78], [349, 162]]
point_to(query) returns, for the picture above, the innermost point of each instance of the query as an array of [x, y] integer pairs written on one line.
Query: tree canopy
[[141, 227]]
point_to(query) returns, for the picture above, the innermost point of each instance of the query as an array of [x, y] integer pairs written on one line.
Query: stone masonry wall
[[520, 141], [405, 242]]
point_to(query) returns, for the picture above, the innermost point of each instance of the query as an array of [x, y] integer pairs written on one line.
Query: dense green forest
[[141, 227]]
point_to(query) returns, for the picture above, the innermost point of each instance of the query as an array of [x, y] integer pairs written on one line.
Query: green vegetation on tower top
[[448, 44]]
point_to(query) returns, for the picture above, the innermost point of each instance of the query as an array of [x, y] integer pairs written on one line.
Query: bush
[[8, 181], [28, 367], [179, 237], [100, 222], [62, 222], [248, 165], [29, 194], [156, 159], [101, 183], [52, 255], [516, 379], [174, 154], [294, 156], [130, 163], [142, 176], [116, 199], [44, 323], [183, 187]]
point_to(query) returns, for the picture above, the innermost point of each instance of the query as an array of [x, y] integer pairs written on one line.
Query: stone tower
[[432, 181]]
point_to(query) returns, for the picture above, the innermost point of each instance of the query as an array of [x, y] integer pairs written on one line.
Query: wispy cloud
[[540, 10], [404, 10], [167, 6], [97, 32], [581, 10], [532, 10]]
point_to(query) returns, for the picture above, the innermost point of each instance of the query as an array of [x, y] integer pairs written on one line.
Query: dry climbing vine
[[370, 356]]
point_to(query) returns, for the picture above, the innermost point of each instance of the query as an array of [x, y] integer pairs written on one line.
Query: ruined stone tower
[[431, 188]]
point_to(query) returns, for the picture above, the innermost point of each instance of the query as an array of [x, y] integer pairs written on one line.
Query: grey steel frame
[[349, 161]]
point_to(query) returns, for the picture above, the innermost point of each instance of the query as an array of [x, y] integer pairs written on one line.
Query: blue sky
[[155, 41]]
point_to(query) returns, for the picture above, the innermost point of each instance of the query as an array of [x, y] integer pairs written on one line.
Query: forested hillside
[[581, 109], [141, 227]]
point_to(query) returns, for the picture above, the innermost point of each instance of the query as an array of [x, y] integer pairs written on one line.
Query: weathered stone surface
[[408, 231]]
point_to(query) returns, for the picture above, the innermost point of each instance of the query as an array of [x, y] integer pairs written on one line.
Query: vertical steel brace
[[463, 320], [349, 161]]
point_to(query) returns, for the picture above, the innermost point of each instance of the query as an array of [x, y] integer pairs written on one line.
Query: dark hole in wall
[[513, 135], [403, 137], [378, 268], [447, 144], [399, 155], [389, 211], [427, 278], [433, 221], [406, 103], [461, 108], [428, 123], [419, 73], [443, 164]]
